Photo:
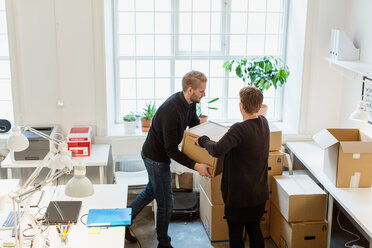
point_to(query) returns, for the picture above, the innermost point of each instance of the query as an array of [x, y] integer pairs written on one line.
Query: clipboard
[[109, 217]]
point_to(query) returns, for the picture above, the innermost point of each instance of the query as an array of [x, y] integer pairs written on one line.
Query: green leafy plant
[[129, 117], [149, 111], [262, 72], [199, 106]]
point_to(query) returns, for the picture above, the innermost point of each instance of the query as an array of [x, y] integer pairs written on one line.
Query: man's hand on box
[[203, 169]]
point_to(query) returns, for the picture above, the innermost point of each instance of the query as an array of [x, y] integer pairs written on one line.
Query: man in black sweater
[[176, 114], [244, 182]]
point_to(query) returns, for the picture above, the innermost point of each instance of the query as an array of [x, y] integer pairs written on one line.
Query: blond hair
[[193, 79]]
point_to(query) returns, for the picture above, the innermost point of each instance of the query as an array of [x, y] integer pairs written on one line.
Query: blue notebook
[[109, 217]]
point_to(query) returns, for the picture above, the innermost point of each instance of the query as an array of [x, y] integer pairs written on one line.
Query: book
[[109, 217]]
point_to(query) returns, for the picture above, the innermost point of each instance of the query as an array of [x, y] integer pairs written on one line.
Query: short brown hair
[[251, 98], [193, 79]]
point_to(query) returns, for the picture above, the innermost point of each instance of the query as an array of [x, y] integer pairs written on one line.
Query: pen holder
[[64, 240]]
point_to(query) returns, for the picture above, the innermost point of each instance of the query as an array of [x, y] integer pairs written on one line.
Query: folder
[[109, 217]]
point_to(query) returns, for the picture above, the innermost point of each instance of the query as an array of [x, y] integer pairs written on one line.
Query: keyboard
[[9, 222]]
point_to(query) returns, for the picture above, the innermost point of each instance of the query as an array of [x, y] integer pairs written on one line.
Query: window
[[158, 41], [6, 106]]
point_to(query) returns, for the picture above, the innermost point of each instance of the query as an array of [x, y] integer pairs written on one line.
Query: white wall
[[56, 51], [332, 93], [358, 26]]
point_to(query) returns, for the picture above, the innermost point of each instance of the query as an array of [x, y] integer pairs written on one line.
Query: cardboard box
[[346, 153], [265, 229], [299, 198], [275, 166], [212, 188], [297, 234], [212, 218], [266, 216], [215, 132], [182, 181], [275, 138]]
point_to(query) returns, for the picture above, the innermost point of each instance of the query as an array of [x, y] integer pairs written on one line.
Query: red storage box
[[79, 140]]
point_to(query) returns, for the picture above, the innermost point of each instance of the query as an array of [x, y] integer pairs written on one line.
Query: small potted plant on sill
[[147, 115], [262, 72], [203, 118], [129, 123]]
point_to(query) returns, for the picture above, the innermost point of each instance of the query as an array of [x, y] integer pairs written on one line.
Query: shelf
[[356, 66]]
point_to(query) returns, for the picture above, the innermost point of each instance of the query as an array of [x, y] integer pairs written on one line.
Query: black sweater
[[246, 149], [166, 131]]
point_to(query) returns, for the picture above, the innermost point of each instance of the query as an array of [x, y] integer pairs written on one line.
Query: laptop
[[61, 212]]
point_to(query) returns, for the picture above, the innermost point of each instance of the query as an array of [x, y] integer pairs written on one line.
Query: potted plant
[[129, 123], [203, 118], [147, 115], [262, 72]]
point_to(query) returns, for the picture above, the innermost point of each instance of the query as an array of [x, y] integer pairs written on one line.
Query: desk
[[105, 196], [357, 202], [99, 156]]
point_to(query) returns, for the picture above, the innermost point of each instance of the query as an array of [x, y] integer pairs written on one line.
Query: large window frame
[[227, 102]]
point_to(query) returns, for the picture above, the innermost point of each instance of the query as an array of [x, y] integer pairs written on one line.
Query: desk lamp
[[59, 162]]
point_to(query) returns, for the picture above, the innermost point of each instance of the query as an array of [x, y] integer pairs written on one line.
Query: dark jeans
[[253, 229], [160, 188]]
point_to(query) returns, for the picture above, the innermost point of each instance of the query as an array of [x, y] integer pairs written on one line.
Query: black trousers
[[250, 218], [253, 229]]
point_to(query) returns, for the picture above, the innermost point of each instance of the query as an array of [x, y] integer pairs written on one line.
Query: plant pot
[[263, 110], [203, 118], [146, 124], [129, 127]]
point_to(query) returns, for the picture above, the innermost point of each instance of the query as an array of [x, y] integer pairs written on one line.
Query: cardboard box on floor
[[212, 186], [297, 234], [298, 198], [215, 132], [275, 166], [212, 217], [347, 152]]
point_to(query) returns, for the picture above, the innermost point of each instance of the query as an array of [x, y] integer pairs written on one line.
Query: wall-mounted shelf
[[356, 66]]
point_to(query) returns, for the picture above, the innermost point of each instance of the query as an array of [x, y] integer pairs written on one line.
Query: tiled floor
[[193, 235], [183, 234]]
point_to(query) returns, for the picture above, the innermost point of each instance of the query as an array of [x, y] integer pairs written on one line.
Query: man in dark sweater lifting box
[[176, 114]]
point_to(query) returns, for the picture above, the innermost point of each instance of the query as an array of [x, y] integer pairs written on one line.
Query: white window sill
[[117, 130]]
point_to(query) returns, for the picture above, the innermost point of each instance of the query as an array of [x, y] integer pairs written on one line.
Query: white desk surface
[[98, 157], [105, 196], [357, 202]]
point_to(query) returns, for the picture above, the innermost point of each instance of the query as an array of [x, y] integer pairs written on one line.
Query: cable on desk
[[347, 244], [81, 219]]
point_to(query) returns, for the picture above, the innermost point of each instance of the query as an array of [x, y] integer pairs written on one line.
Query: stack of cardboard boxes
[[211, 202], [298, 212]]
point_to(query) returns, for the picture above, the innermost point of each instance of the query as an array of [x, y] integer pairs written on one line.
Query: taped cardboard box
[[275, 166], [212, 217], [215, 132], [182, 181], [275, 138], [347, 156], [297, 234], [298, 198], [212, 188]]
